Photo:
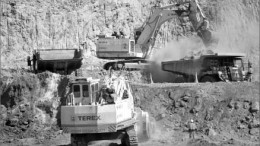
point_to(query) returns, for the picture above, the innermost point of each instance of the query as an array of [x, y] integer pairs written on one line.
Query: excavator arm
[[145, 35]]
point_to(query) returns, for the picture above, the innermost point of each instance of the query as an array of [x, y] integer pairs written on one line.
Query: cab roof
[[84, 80], [226, 55]]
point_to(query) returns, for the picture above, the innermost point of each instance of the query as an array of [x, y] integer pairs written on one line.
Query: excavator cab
[[87, 120], [84, 91]]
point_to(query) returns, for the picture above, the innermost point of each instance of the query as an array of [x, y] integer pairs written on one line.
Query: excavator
[[134, 53], [103, 110]]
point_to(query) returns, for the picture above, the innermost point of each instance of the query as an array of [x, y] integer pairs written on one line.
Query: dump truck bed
[[62, 61], [58, 54], [182, 67]]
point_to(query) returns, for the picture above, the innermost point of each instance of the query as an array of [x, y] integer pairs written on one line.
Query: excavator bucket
[[206, 36], [145, 125]]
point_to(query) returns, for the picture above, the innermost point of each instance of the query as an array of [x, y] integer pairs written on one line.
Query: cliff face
[[237, 27], [28, 25], [34, 100]]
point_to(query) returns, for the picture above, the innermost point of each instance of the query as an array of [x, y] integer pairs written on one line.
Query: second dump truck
[[212, 67], [62, 61]]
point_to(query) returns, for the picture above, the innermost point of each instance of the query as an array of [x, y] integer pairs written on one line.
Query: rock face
[[31, 102], [28, 25]]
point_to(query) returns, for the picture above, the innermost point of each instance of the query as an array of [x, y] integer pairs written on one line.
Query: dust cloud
[[174, 50], [238, 29]]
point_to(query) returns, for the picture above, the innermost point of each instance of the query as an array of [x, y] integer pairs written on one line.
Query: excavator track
[[130, 138]]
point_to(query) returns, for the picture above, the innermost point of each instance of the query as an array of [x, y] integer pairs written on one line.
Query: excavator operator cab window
[[85, 91], [76, 91], [94, 89], [137, 34]]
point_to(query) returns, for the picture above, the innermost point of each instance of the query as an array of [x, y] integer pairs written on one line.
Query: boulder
[[254, 106], [254, 124], [176, 104], [162, 115], [254, 131], [22, 108], [241, 126], [246, 105], [171, 95], [231, 104], [12, 122], [183, 104], [3, 109], [161, 96], [187, 94], [211, 132], [237, 105], [185, 98]]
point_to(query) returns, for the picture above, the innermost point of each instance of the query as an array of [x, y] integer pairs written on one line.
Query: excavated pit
[[223, 112], [30, 111]]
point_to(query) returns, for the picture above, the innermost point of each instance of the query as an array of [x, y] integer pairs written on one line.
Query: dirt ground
[[225, 113]]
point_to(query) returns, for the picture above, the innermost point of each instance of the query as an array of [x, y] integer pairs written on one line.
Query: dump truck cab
[[222, 67], [84, 91], [103, 112]]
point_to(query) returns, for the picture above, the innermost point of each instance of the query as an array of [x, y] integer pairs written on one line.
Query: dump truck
[[62, 61], [104, 110], [211, 67], [134, 53]]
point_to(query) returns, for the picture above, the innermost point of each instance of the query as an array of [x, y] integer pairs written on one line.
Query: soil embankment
[[225, 113]]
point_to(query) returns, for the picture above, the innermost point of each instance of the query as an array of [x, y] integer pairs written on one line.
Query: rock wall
[[28, 25], [30, 105]]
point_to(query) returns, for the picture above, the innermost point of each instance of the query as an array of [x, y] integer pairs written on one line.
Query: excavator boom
[[145, 36], [135, 52]]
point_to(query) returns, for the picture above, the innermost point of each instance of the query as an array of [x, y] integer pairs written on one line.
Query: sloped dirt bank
[[225, 113], [30, 106]]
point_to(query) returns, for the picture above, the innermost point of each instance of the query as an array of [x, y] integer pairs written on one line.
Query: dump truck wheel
[[208, 79]]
